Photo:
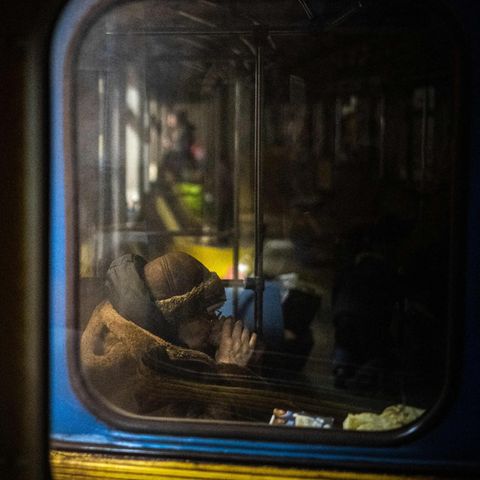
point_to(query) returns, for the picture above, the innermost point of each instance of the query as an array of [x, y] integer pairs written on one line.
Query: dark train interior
[[350, 109]]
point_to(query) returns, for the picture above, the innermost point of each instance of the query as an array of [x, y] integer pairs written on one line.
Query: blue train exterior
[[447, 442]]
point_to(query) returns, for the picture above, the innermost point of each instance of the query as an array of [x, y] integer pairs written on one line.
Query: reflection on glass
[[356, 163]]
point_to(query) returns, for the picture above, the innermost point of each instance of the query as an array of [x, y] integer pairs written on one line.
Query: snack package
[[299, 419]]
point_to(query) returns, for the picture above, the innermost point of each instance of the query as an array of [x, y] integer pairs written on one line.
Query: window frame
[[232, 430]]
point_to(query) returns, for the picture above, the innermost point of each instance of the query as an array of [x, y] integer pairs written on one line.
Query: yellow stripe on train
[[66, 465]]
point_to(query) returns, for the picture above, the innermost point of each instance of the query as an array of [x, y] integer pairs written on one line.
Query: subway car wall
[[308, 168], [25, 36]]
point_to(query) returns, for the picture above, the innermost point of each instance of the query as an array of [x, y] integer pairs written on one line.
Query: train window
[[261, 210]]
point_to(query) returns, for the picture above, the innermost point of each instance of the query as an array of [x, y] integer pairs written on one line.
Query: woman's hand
[[237, 344]]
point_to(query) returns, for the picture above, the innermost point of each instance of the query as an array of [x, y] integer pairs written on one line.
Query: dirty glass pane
[[296, 155]]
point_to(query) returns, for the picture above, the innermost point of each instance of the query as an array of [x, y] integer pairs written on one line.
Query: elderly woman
[[157, 347]]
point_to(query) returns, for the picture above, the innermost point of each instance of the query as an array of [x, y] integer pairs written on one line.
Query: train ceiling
[[193, 44]]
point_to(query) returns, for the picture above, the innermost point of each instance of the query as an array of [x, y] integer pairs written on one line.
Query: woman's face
[[195, 332], [201, 332]]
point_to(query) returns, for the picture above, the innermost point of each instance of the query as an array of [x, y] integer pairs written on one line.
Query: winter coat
[[144, 374]]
